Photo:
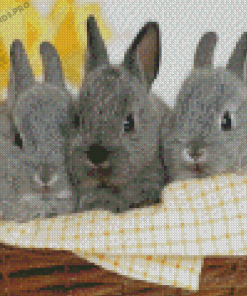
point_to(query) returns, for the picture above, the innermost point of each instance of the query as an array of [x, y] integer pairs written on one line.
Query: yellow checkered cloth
[[164, 244]]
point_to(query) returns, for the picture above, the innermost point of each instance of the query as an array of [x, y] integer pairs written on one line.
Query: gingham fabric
[[164, 244]]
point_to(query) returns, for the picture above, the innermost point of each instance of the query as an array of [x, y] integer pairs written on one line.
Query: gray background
[[182, 23]]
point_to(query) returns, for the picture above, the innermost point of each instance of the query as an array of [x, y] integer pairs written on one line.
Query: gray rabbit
[[209, 132], [33, 178], [114, 157]]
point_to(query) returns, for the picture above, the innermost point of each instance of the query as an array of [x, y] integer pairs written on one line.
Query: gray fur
[[237, 60], [205, 51], [209, 134], [33, 144], [96, 54], [130, 168]]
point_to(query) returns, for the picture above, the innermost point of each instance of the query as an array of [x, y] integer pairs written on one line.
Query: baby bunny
[[114, 157], [209, 133], [33, 180]]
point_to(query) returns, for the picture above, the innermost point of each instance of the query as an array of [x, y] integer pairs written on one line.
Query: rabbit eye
[[129, 123], [77, 121], [18, 140], [226, 121]]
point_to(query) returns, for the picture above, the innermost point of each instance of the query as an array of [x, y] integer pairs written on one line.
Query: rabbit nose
[[45, 175], [97, 154], [194, 155]]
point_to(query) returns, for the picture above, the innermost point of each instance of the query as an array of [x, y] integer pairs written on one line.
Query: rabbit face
[[38, 115], [20, 200], [117, 131], [209, 136]]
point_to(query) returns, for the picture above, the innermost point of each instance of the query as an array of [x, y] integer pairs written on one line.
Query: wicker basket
[[48, 272]]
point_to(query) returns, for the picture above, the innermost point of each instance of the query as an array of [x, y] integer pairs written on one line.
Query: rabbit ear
[[96, 50], [205, 50], [21, 74], [237, 60], [52, 64], [143, 56]]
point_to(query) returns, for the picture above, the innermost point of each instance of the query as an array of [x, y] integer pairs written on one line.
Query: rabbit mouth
[[44, 190], [200, 171], [197, 171], [112, 187], [100, 183], [100, 172], [100, 177], [104, 183]]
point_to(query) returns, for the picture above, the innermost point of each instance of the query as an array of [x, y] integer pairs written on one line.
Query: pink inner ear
[[147, 53]]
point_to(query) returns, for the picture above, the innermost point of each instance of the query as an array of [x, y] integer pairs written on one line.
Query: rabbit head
[[115, 127], [209, 134], [37, 114]]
